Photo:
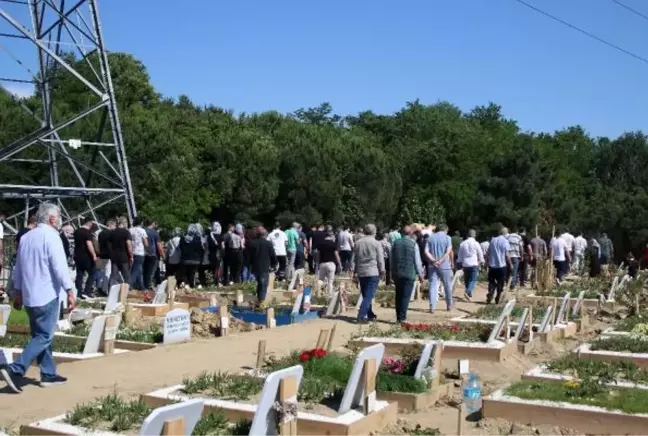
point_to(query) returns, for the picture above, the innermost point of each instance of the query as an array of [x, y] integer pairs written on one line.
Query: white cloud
[[20, 90]]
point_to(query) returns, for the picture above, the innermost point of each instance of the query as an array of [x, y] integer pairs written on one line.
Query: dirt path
[[140, 372]]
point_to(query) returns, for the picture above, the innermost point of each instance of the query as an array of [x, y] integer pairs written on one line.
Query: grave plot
[[413, 380], [325, 404], [473, 341], [161, 302], [570, 367], [596, 294], [113, 415], [632, 325], [630, 348], [99, 342], [589, 400], [544, 321]]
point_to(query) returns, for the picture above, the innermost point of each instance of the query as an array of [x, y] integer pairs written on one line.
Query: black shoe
[[11, 378], [47, 381]]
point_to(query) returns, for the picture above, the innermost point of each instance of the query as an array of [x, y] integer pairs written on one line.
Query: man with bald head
[[406, 266]]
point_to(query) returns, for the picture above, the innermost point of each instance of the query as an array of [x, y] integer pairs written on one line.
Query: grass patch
[[223, 385], [598, 370], [629, 344], [455, 332], [18, 318], [627, 400], [592, 287], [492, 312], [60, 344], [153, 334], [628, 324], [112, 413]]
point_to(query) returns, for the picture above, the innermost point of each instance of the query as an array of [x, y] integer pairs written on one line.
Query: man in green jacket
[[406, 266]]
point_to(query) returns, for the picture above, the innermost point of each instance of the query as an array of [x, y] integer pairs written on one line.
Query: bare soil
[[135, 373]]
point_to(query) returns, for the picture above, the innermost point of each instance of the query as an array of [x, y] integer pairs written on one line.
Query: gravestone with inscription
[[354, 393], [94, 335], [177, 326], [113, 298]]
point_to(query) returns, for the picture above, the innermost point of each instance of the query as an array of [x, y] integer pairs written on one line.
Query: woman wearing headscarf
[[172, 258], [191, 253], [250, 235], [594, 254], [204, 266], [214, 245]]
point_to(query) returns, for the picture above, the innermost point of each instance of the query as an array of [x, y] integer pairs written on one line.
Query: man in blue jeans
[[406, 265], [369, 268], [470, 257], [40, 274], [262, 259], [439, 252]]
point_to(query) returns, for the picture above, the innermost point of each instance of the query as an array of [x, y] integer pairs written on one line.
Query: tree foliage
[[424, 163]]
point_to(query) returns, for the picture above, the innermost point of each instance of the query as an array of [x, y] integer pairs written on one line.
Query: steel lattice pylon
[[48, 30]]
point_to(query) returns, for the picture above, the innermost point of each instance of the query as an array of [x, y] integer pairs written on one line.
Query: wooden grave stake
[[271, 280], [369, 374], [174, 427], [261, 354], [321, 340], [288, 394], [437, 357], [107, 345], [636, 303], [224, 319], [460, 419], [331, 337], [270, 318], [530, 322]]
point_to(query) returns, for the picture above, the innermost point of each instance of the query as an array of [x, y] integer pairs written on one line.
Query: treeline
[[424, 163]]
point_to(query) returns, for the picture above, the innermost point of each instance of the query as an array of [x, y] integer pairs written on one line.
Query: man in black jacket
[[262, 260]]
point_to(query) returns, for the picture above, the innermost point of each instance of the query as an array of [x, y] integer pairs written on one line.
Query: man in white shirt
[[470, 257], [561, 257], [569, 243], [516, 250], [279, 241], [40, 275], [345, 247], [140, 243], [580, 244]]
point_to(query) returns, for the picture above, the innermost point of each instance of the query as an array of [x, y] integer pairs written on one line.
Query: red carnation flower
[[318, 352], [304, 356]]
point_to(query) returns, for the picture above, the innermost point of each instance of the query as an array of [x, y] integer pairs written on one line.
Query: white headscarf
[[216, 228]]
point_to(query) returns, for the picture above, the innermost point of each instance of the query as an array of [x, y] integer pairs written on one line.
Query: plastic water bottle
[[472, 398]]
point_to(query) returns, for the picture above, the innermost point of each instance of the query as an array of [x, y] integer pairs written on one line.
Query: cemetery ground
[[132, 374]]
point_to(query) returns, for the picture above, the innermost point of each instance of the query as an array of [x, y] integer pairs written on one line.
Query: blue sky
[[377, 54]]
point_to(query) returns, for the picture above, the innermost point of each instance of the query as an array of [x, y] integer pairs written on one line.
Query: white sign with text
[[177, 326]]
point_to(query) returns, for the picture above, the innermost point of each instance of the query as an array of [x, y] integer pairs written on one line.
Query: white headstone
[[190, 411], [298, 303], [94, 335], [424, 360], [177, 326], [113, 298], [545, 325], [464, 367], [353, 393], [415, 290], [521, 323], [457, 275], [5, 309], [500, 320], [563, 309], [264, 421], [333, 303], [306, 300], [160, 294], [576, 308], [613, 288]]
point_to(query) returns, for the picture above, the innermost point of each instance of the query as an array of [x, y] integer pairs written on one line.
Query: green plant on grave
[[604, 372], [630, 344], [627, 400], [628, 324], [152, 334], [18, 318], [60, 344], [633, 296], [223, 385], [493, 311]]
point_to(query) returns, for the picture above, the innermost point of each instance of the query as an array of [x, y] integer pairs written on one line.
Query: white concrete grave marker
[[333, 303], [177, 326], [424, 360], [5, 311], [464, 367], [578, 304], [354, 391], [306, 300], [264, 421], [545, 325], [500, 321], [560, 319], [190, 411], [298, 303], [94, 335], [113, 298], [521, 324], [457, 275], [160, 294], [613, 288], [623, 283]]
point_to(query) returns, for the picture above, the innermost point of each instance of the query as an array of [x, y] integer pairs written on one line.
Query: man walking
[[85, 257], [498, 262], [405, 267], [538, 256], [345, 241], [140, 243], [104, 256], [279, 241], [439, 255], [515, 252], [39, 276], [121, 253], [569, 243], [151, 254], [525, 257], [561, 257], [580, 245], [470, 257], [607, 251], [262, 260], [291, 250], [369, 268]]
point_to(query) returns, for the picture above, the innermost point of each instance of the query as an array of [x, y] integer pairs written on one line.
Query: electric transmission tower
[[81, 174]]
